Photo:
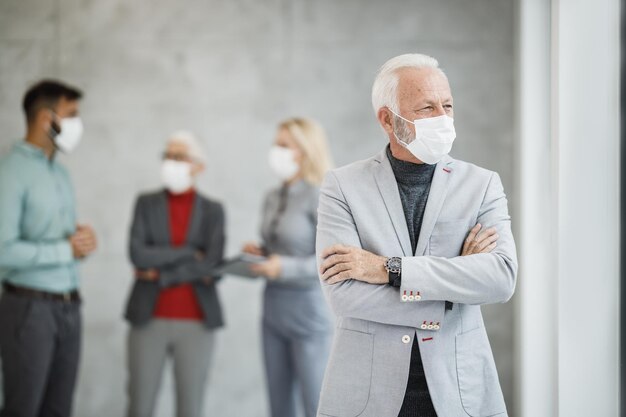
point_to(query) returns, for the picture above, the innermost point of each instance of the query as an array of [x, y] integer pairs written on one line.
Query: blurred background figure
[[296, 323], [176, 238], [40, 243]]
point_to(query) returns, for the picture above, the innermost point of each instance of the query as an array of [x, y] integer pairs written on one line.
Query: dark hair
[[46, 94]]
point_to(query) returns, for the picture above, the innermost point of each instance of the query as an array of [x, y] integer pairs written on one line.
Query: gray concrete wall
[[229, 70]]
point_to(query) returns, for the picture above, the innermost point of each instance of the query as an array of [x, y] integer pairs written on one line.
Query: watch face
[[395, 263]]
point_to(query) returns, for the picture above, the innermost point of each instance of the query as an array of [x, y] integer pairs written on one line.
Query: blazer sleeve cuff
[[411, 289]]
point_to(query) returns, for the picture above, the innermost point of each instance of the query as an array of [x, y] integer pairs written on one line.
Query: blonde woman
[[296, 323]]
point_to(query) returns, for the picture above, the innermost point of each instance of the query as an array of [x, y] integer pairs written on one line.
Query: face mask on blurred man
[[68, 134], [433, 137], [283, 162], [176, 176]]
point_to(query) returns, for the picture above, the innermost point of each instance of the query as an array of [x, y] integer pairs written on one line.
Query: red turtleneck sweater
[[179, 302]]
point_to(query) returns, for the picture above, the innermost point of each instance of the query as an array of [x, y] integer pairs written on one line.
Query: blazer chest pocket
[[347, 382], [447, 238], [479, 386]]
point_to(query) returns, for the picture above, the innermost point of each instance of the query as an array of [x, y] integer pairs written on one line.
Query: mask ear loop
[[54, 131], [55, 128], [406, 120], [401, 142]]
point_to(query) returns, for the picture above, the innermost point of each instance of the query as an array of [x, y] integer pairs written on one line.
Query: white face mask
[[433, 138], [71, 134], [176, 176], [283, 162]]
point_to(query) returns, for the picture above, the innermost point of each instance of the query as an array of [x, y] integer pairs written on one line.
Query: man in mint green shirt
[[40, 245], [36, 219]]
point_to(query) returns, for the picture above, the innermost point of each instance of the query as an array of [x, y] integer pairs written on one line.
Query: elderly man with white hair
[[399, 268], [176, 240]]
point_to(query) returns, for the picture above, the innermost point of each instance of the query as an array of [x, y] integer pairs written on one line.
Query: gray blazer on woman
[[150, 247]]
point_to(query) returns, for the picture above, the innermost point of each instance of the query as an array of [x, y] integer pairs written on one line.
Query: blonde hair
[[311, 140]]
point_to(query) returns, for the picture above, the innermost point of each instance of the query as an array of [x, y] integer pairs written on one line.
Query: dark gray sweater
[[414, 185]]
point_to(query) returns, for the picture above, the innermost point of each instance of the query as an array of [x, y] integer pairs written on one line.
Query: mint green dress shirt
[[37, 216]]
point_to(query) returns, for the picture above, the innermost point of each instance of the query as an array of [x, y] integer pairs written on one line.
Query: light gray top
[[289, 231], [414, 185]]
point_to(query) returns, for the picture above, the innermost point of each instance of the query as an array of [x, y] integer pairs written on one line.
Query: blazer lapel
[[196, 219], [388, 188], [436, 197], [162, 221]]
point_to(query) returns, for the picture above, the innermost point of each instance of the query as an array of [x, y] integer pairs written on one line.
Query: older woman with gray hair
[[176, 240]]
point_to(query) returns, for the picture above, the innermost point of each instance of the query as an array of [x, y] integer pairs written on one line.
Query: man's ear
[[384, 118], [45, 118]]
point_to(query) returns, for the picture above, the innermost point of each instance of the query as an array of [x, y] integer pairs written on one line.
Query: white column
[[537, 283], [587, 124], [569, 215]]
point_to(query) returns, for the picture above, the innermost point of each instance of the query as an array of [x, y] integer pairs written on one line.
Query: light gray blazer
[[369, 364]]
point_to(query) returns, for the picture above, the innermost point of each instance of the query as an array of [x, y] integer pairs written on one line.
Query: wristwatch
[[393, 266]]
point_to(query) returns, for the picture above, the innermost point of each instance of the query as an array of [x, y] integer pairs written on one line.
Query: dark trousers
[[40, 347]]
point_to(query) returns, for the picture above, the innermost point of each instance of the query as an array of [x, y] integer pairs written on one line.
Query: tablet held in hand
[[240, 265]]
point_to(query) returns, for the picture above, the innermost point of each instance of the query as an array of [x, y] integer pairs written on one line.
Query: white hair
[[384, 90], [193, 144]]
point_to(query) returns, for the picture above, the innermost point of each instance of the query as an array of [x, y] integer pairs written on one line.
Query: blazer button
[[424, 326], [405, 297], [411, 298], [418, 297], [406, 339]]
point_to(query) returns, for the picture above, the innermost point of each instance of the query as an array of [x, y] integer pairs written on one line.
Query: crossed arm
[[342, 262], [354, 279], [171, 265]]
